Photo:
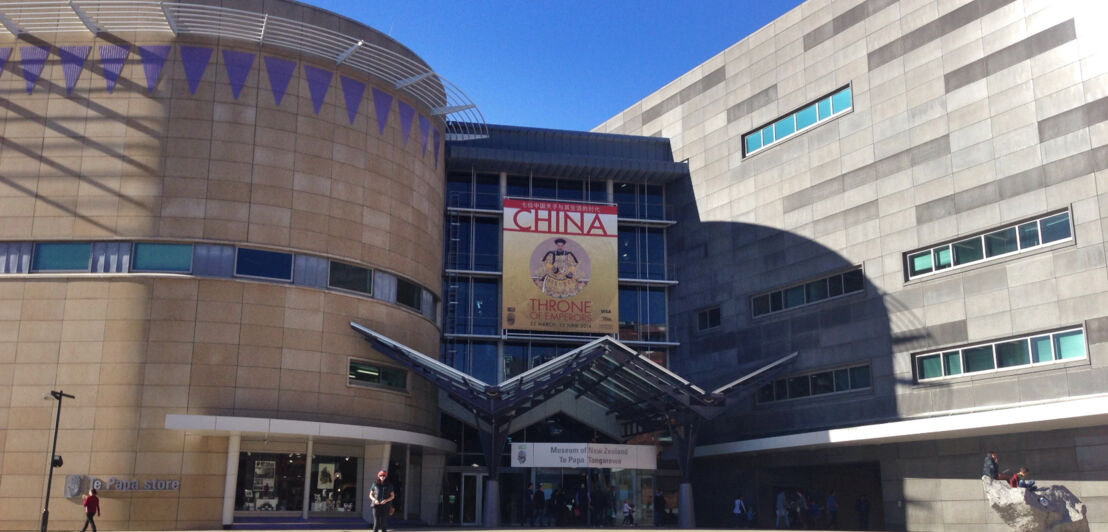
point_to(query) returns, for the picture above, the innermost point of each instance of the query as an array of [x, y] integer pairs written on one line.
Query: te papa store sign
[[584, 455], [78, 484]]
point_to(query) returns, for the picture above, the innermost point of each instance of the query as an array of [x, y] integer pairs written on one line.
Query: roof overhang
[[1052, 415]]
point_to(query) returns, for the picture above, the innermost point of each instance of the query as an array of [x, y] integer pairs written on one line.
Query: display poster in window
[[559, 267], [325, 480], [265, 475]]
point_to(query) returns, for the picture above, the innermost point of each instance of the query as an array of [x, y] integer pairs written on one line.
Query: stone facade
[[210, 164], [967, 117]]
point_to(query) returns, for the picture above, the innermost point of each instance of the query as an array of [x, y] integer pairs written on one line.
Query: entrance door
[[473, 492]]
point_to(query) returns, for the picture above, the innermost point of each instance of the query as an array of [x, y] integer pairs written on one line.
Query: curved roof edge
[[405, 72]]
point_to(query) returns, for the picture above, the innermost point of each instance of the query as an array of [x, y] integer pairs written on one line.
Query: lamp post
[[55, 460]]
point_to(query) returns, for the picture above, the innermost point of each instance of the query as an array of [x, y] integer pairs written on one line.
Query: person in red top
[[1020, 480], [92, 508]]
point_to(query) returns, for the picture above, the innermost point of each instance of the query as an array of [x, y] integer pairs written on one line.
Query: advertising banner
[[560, 271], [584, 455]]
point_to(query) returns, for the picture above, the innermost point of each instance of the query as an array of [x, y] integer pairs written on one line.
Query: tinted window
[[409, 294], [350, 277], [261, 263]]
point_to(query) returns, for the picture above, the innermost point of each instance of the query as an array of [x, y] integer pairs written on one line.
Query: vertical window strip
[[993, 244], [1007, 354], [807, 117]]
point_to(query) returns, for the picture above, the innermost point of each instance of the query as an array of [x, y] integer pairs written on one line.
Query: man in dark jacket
[[991, 466]]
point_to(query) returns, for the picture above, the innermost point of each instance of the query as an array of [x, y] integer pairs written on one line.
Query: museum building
[[207, 209]]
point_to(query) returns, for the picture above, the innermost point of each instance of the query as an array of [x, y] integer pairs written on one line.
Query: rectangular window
[[991, 244], [1015, 353], [61, 257], [263, 264], [409, 294], [364, 373], [808, 293], [800, 120], [349, 277], [708, 319], [812, 384], [152, 257]]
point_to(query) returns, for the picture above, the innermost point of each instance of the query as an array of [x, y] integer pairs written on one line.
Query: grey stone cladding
[[967, 116]]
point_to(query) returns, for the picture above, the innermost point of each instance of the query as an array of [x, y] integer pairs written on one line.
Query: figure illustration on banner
[[556, 273]]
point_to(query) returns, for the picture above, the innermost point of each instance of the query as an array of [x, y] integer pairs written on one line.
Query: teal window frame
[[809, 292], [165, 257], [1014, 353], [806, 117], [61, 257], [1005, 241]]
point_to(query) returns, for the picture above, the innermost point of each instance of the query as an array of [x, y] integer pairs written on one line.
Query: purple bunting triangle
[[382, 102], [73, 61], [319, 81], [5, 53], [280, 73], [195, 60], [406, 115], [153, 59], [238, 68], [424, 129], [352, 91], [33, 57], [112, 57], [437, 140]]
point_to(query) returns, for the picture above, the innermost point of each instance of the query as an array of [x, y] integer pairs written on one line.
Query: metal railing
[[461, 118]]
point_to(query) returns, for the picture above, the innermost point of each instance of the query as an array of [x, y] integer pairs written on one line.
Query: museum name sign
[[584, 455]]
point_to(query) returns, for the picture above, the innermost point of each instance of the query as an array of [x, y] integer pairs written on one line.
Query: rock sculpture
[[1053, 509]]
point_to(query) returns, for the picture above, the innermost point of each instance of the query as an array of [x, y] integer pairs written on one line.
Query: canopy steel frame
[[638, 391]]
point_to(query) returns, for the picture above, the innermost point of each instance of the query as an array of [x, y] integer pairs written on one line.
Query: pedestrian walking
[[92, 509]]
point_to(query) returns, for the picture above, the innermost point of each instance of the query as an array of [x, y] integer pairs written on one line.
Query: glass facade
[[824, 382], [334, 484], [61, 257], [264, 264], [152, 257], [642, 253], [993, 244], [270, 482], [1020, 352], [363, 373]]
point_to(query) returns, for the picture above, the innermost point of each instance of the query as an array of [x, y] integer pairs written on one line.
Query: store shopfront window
[[334, 484], [270, 482]]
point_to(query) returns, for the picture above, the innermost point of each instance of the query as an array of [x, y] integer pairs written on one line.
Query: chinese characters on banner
[[560, 267]]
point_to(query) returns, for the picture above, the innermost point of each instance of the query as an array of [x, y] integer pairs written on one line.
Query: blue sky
[[561, 64]]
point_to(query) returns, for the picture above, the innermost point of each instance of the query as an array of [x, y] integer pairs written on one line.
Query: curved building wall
[[337, 166]]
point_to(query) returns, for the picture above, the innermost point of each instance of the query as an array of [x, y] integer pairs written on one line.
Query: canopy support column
[[493, 441], [684, 439]]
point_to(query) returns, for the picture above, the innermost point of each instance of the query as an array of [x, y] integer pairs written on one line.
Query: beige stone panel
[[300, 360], [40, 331], [270, 315], [11, 290], [298, 401], [158, 463], [172, 310], [208, 375], [217, 332], [303, 339], [199, 486], [170, 352], [116, 417], [223, 291], [260, 336], [119, 395], [30, 418], [115, 439], [26, 440], [113, 463], [133, 330], [35, 374], [160, 440], [172, 331], [153, 509], [200, 511], [256, 356], [211, 400], [229, 191], [264, 294], [70, 374], [256, 377], [122, 373], [204, 443], [176, 288], [255, 400], [130, 289], [204, 463], [87, 331], [80, 352], [123, 352], [223, 230], [19, 511], [215, 354], [165, 396], [166, 374], [50, 309], [45, 289], [137, 308], [311, 320], [37, 352], [299, 381]]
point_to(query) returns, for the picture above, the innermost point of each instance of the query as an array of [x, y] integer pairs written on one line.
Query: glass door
[[473, 487]]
